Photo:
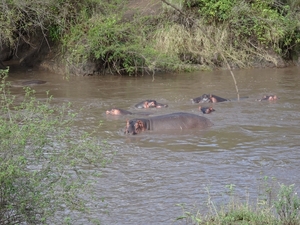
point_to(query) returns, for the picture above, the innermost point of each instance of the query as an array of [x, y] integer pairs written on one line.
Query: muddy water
[[153, 172]]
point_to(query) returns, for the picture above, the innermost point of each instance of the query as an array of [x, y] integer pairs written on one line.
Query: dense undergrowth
[[185, 35]]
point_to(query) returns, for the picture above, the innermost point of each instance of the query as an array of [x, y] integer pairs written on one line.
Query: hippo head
[[206, 110], [150, 104], [135, 126], [205, 98], [272, 97], [113, 112], [269, 97]]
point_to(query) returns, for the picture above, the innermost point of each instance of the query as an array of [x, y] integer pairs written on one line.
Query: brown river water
[[152, 172]]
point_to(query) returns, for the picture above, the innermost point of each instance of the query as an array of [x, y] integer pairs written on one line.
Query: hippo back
[[179, 121], [33, 82]]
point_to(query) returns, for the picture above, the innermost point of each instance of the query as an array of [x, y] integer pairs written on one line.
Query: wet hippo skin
[[174, 121], [118, 112], [206, 110], [150, 104], [269, 98], [123, 112], [33, 82], [209, 99]]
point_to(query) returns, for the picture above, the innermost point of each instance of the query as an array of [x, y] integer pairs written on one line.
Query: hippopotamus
[[118, 112], [206, 110], [269, 98], [33, 82], [150, 104], [123, 112], [174, 121], [205, 98]]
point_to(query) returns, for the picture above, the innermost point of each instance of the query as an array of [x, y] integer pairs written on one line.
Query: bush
[[115, 45], [260, 25], [288, 205], [215, 10], [41, 159]]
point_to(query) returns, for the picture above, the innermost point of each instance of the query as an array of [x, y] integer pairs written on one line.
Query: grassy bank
[[277, 204], [93, 36]]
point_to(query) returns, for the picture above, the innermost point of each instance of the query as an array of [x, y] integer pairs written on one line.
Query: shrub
[[118, 46], [287, 205], [41, 159], [215, 10], [261, 25]]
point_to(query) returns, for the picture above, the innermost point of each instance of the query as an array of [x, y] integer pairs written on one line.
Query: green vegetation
[[41, 180], [188, 34], [119, 46], [4, 73], [276, 205]]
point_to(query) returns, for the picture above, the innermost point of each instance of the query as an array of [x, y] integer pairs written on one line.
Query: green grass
[[277, 204]]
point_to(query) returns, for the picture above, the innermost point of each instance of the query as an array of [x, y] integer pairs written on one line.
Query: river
[[152, 172]]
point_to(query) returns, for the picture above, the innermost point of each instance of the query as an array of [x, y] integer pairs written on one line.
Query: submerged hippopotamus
[[118, 112], [150, 104], [123, 112], [209, 99], [33, 82], [174, 121], [269, 98], [206, 110]]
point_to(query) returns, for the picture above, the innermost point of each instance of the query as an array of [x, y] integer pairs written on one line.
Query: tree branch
[[220, 52]]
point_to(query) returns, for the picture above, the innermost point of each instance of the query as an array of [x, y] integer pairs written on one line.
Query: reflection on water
[[153, 172]]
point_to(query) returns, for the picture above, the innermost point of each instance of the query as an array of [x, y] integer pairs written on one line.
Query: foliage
[[4, 72], [271, 25], [22, 19], [121, 47], [117, 39], [288, 205], [41, 160], [214, 10], [259, 24]]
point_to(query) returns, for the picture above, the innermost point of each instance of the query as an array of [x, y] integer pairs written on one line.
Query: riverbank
[[142, 37]]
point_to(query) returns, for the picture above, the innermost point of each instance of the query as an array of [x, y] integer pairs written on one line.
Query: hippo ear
[[146, 104], [127, 124], [126, 128], [139, 126]]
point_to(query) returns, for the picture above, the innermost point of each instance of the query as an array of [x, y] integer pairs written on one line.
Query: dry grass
[[203, 45]]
